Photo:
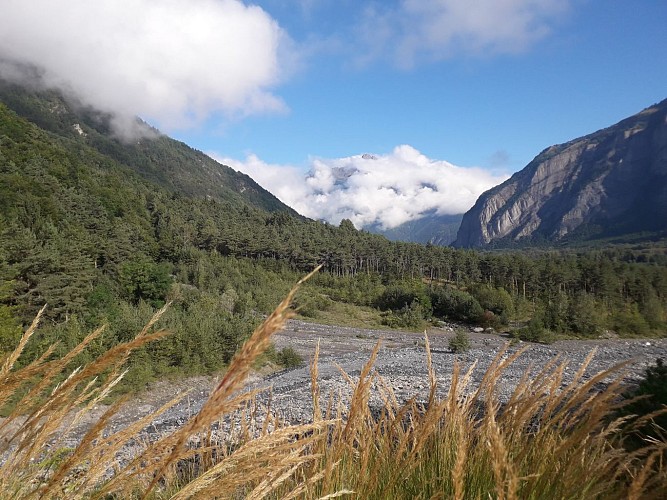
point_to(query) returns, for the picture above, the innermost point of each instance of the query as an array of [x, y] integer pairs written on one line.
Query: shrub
[[496, 300], [460, 342], [10, 329], [308, 305], [455, 304], [289, 358], [535, 331], [411, 316], [653, 389], [403, 294], [488, 319], [585, 316], [628, 321]]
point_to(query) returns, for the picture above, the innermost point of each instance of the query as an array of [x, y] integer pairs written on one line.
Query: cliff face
[[609, 183]]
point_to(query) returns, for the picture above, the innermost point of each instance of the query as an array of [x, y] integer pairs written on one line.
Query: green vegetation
[[289, 358], [103, 231], [551, 440], [460, 342], [284, 358], [649, 400]]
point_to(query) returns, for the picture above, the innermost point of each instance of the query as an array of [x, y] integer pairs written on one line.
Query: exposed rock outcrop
[[607, 184]]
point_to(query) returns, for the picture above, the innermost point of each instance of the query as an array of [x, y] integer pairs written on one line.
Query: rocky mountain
[[609, 184], [432, 228], [155, 157]]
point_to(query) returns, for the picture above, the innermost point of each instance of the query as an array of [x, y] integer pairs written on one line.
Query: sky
[[376, 111]]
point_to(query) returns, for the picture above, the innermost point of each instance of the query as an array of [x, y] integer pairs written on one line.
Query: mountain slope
[[155, 157], [432, 228], [612, 183]]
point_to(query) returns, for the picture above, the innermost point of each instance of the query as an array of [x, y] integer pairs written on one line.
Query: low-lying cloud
[[388, 190], [175, 63]]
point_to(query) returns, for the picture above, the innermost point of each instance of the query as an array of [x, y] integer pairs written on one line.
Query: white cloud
[[173, 62], [415, 30], [386, 189]]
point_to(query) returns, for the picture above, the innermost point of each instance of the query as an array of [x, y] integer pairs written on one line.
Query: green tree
[[629, 321], [10, 328], [652, 309], [460, 342], [555, 312], [145, 280], [449, 302], [585, 315]]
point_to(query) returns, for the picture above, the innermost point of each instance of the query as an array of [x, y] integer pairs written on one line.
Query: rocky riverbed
[[401, 362]]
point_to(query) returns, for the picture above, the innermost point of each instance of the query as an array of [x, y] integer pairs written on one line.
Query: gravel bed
[[401, 362]]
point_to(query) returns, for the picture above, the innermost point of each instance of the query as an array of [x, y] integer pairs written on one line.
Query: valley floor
[[401, 362]]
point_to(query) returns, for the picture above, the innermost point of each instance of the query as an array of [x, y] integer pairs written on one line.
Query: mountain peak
[[612, 182]]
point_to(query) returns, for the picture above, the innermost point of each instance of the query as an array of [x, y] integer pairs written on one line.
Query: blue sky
[[599, 62], [449, 96]]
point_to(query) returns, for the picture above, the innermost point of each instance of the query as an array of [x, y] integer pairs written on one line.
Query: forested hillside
[[99, 240], [155, 157]]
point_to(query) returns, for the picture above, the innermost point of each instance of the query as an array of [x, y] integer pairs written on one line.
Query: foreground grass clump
[[549, 441], [546, 442]]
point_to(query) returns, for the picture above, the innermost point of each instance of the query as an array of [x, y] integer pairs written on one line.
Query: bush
[[10, 329], [400, 295], [654, 389], [456, 305], [310, 304], [490, 320], [585, 315], [496, 300], [629, 321], [535, 331], [411, 316], [289, 358], [460, 342]]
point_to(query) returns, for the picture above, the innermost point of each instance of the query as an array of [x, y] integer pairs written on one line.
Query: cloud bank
[[388, 190], [411, 31], [173, 62]]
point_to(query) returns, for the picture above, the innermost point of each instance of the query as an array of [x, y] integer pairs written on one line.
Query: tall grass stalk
[[544, 443], [550, 440]]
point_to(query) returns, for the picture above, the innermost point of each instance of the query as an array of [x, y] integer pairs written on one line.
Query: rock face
[[611, 183]]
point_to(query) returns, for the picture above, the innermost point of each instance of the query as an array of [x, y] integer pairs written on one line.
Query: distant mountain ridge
[[432, 228], [608, 184]]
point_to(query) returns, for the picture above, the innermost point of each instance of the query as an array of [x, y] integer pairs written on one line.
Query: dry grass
[[548, 441]]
